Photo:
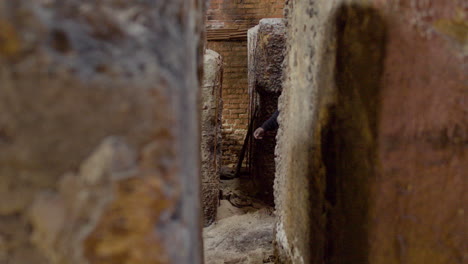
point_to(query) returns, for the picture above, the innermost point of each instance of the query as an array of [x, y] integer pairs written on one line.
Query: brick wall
[[244, 12], [236, 14]]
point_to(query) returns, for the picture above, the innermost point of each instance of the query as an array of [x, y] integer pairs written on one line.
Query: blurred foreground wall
[[373, 133], [99, 134]]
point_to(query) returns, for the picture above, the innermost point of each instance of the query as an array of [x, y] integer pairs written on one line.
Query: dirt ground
[[243, 230]]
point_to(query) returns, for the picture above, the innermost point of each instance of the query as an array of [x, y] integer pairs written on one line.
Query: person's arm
[[272, 122]]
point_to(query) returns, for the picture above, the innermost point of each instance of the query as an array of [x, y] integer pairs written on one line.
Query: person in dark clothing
[[270, 124]]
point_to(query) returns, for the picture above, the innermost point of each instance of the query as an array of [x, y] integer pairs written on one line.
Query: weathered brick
[[244, 14]]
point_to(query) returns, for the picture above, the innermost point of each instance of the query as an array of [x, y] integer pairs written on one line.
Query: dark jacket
[[272, 122]]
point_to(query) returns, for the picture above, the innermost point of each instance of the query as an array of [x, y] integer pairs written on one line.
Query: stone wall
[[99, 148], [212, 106], [227, 14], [266, 79], [373, 133]]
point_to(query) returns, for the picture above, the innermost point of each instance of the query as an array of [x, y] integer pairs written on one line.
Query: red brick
[[235, 82]]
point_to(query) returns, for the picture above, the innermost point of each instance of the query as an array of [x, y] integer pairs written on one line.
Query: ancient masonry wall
[[266, 83], [99, 134], [212, 106], [227, 14], [373, 136]]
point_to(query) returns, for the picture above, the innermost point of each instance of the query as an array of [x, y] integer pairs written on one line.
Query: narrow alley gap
[[238, 198], [238, 226]]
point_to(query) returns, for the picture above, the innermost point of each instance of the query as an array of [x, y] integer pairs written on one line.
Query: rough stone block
[[266, 55], [212, 105], [371, 146], [99, 148]]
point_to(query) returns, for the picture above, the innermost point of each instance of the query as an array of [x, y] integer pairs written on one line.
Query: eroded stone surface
[[265, 79], [269, 55], [371, 128], [211, 133], [98, 132]]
